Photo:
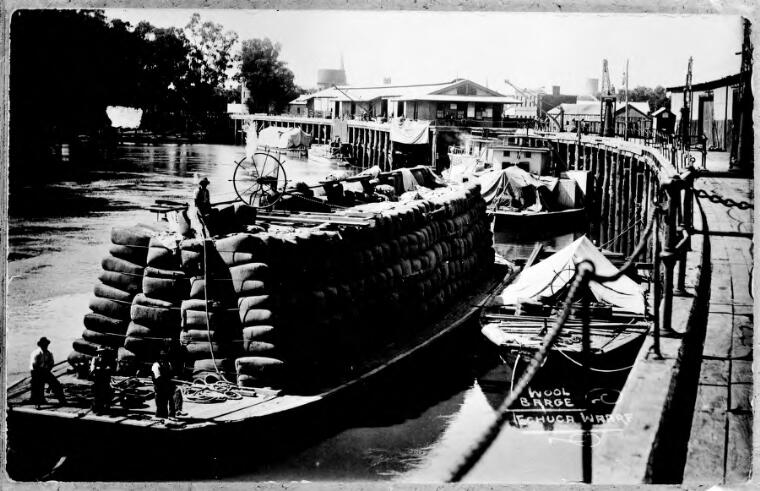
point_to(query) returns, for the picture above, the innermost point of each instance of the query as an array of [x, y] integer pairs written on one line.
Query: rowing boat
[[518, 319]]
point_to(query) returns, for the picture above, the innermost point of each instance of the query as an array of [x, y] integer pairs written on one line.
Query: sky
[[530, 49]]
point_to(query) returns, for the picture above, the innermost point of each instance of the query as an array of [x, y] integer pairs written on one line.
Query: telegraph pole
[[626, 100]]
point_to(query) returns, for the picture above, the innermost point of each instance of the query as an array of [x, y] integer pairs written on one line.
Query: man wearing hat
[[203, 198], [41, 364]]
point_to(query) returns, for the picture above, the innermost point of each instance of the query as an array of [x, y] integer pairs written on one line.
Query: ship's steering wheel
[[260, 180]]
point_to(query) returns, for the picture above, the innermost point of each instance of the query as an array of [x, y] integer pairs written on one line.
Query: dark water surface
[[411, 430]]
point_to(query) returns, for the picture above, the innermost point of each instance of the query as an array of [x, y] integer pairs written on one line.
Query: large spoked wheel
[[260, 181]]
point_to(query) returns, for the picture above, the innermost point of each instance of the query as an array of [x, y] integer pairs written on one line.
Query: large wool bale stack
[[120, 281], [322, 299], [155, 313], [211, 336], [261, 361]]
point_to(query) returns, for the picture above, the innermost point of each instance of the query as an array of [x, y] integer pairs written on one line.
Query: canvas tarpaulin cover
[[514, 181], [409, 132], [283, 137], [548, 277]]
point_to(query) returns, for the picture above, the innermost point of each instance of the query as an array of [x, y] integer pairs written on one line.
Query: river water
[[59, 232]]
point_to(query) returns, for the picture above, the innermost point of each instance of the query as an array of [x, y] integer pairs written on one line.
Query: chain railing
[[727, 202]]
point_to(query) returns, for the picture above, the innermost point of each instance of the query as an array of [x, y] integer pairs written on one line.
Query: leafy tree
[[268, 79], [211, 54], [656, 97]]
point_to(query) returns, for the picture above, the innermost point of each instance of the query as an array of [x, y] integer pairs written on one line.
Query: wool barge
[[294, 317]]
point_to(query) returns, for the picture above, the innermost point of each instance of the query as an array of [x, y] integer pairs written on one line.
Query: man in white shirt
[[163, 386], [41, 363]]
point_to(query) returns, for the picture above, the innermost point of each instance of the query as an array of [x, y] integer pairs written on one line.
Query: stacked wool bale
[[248, 258], [120, 282], [155, 313], [211, 334], [315, 301]]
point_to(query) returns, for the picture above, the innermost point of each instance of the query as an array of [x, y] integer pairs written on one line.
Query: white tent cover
[[283, 137], [549, 276], [410, 132], [124, 117]]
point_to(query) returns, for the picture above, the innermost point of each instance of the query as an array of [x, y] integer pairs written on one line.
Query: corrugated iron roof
[[399, 92], [582, 108]]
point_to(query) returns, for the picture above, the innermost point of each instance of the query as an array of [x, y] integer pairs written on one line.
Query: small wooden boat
[[327, 155], [527, 194], [518, 319]]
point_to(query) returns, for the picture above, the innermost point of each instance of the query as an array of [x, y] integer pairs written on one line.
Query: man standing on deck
[[101, 369], [163, 386], [41, 364], [203, 205], [203, 198]]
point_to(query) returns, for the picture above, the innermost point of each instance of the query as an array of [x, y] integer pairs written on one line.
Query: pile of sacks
[[301, 305], [119, 282], [210, 329], [155, 312], [314, 302]]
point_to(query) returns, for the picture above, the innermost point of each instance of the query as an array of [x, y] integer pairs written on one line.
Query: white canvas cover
[[410, 132], [549, 276], [283, 137]]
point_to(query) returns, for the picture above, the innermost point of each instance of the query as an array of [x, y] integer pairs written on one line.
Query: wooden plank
[[724, 307], [740, 283], [714, 372], [741, 395], [741, 371], [742, 337], [739, 448], [719, 335], [704, 458]]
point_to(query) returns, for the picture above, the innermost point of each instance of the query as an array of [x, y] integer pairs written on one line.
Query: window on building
[[527, 155], [506, 153]]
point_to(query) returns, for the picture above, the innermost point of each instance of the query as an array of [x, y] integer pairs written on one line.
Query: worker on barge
[[41, 366], [163, 386], [101, 369]]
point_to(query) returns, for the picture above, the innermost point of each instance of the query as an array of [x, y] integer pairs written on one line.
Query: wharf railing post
[[657, 277], [687, 223], [669, 254]]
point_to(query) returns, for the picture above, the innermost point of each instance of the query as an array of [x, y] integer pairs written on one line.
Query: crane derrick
[[609, 101]]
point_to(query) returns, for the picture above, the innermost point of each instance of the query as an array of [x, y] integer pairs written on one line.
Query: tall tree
[[211, 54], [656, 97], [268, 78]]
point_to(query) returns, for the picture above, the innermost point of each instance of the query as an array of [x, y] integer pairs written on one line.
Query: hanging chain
[[715, 198]]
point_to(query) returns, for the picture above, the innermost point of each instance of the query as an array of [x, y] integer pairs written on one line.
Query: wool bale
[[102, 323], [104, 291], [129, 283], [133, 254], [131, 236], [116, 265]]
